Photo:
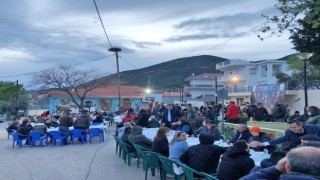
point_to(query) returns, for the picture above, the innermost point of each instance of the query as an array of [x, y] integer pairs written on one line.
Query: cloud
[[145, 44]]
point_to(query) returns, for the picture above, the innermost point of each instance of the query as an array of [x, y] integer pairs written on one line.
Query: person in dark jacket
[[210, 129], [310, 140], [24, 129], [153, 122], [260, 113], [13, 126], [275, 157], [241, 134], [294, 116], [66, 121], [182, 125], [160, 142], [170, 115], [236, 162], [258, 135], [279, 112], [83, 122], [143, 118], [203, 157], [292, 135], [301, 163], [136, 137]]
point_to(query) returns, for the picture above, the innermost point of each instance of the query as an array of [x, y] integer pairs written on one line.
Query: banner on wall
[[267, 94]]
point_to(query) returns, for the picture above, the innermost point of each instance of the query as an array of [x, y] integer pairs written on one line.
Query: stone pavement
[[71, 162]]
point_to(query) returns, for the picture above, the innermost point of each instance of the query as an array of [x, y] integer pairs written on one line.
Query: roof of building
[[204, 76], [107, 91]]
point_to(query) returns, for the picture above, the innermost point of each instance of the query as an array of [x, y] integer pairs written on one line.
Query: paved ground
[[72, 162]]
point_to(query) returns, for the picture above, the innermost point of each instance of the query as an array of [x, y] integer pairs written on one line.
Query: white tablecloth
[[258, 157], [57, 129]]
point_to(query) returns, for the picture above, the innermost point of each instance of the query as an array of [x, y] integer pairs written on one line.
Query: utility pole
[[216, 85], [16, 99], [116, 50]]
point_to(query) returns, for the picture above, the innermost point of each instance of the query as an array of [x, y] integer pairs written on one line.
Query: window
[[252, 71], [264, 70], [276, 69]]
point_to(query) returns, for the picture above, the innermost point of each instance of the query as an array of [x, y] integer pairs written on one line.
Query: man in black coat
[[203, 157], [170, 115], [260, 113]]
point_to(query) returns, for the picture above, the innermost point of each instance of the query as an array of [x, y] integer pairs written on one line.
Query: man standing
[[170, 115], [260, 113], [279, 112], [233, 113], [191, 117]]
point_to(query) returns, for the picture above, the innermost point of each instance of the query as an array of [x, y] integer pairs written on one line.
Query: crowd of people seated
[[41, 124]]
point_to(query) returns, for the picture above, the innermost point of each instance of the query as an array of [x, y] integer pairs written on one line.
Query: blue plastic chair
[[10, 132], [96, 124], [36, 136], [58, 135], [96, 132], [19, 140], [78, 133]]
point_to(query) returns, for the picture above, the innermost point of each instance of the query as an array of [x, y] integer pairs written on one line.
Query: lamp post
[[235, 80], [116, 50], [304, 57]]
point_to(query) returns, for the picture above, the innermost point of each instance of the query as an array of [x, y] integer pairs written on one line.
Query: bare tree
[[74, 82]]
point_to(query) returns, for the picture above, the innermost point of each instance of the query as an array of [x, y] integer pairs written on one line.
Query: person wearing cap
[[236, 162], [259, 136], [170, 115], [210, 129]]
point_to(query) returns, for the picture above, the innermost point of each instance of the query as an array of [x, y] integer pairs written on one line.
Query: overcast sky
[[39, 34]]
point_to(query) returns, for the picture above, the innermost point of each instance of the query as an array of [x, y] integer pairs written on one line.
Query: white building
[[240, 77], [201, 87]]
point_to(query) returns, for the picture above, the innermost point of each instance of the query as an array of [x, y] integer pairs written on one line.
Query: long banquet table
[[150, 133]]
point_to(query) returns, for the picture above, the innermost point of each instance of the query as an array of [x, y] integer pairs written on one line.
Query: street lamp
[[304, 57], [235, 80], [116, 50]]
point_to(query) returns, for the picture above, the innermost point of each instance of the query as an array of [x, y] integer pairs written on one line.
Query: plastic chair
[[209, 176], [139, 149], [10, 132], [78, 133], [167, 167], [152, 162], [96, 132], [189, 172], [19, 140], [126, 154], [118, 146], [36, 136], [58, 135]]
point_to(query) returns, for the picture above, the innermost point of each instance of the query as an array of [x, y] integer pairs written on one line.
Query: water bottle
[[266, 153]]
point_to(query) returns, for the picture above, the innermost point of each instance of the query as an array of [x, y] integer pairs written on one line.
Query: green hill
[[166, 75]]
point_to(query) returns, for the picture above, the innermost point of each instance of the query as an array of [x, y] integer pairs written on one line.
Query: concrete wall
[[296, 102]]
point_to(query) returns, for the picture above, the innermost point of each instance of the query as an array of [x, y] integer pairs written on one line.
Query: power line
[[104, 29], [30, 73], [210, 48], [128, 62]]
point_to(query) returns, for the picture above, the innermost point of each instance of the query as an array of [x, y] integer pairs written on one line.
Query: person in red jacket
[[232, 113]]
